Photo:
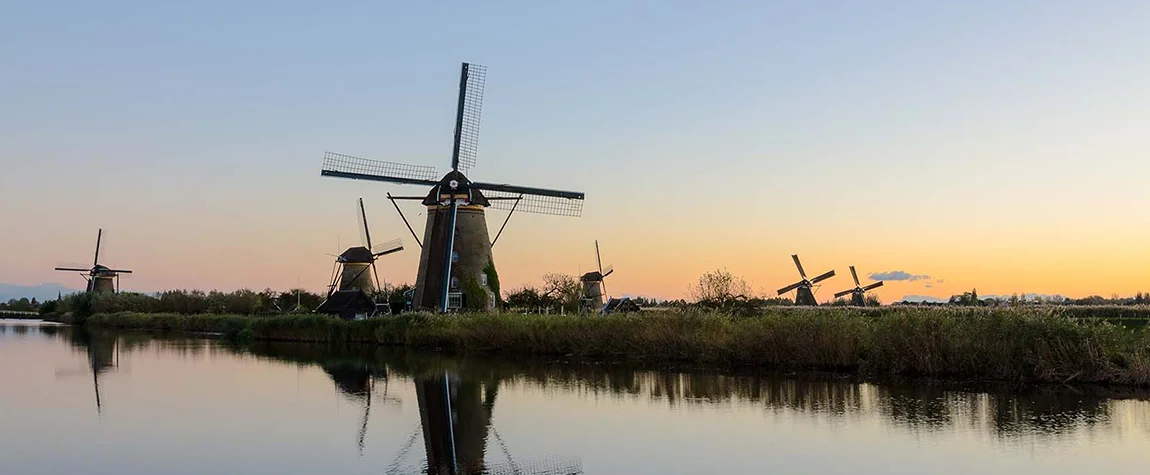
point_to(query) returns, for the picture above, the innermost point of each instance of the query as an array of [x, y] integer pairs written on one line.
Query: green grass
[[1013, 344]]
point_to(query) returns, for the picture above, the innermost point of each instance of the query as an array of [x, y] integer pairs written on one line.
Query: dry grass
[[1019, 344]]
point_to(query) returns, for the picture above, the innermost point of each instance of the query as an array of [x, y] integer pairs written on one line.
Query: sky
[[997, 145]]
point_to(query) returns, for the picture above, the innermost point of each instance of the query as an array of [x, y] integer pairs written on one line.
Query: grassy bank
[[1027, 344]]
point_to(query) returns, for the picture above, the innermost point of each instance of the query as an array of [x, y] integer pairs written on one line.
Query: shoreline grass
[[1039, 345]]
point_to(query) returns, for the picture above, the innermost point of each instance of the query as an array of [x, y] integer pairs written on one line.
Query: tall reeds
[[1015, 344]]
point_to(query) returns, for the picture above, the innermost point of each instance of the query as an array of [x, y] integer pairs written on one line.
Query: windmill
[[352, 287], [350, 271], [100, 278], [456, 264], [804, 295], [859, 290], [594, 286]]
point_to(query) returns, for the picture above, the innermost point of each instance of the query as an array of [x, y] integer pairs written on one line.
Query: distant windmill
[[350, 272], [352, 287], [594, 285], [100, 278], [804, 294], [857, 292], [456, 258]]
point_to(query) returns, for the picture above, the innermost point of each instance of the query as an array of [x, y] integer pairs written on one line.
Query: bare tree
[[564, 289], [719, 287]]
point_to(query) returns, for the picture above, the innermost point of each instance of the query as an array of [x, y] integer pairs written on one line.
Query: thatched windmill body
[[594, 285], [858, 297], [100, 278], [352, 285], [456, 264], [804, 293], [352, 266]]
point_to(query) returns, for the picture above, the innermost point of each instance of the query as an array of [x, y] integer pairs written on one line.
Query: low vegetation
[[1014, 344]]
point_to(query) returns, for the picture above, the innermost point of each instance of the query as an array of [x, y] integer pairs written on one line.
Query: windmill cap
[[462, 187], [358, 254], [593, 276]]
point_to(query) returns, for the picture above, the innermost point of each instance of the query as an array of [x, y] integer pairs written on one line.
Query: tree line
[[556, 292], [191, 302], [971, 299]]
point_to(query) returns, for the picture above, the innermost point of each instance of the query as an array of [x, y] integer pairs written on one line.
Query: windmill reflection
[[103, 356], [457, 399], [357, 382], [455, 416]]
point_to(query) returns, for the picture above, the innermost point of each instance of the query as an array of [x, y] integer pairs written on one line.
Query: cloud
[[922, 298], [930, 286], [898, 275]]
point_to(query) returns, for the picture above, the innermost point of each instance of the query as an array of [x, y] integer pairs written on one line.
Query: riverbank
[[1003, 344]]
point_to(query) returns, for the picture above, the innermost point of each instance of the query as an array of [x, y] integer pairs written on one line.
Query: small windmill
[[100, 278], [857, 292], [594, 285], [351, 289], [804, 295], [350, 269], [456, 260]]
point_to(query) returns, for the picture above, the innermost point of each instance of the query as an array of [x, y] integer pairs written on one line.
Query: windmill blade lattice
[[823, 277], [388, 247], [361, 222], [537, 204], [347, 166], [799, 265], [472, 110], [790, 288]]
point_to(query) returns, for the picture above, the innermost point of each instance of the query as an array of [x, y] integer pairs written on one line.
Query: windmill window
[[455, 282], [483, 279], [454, 257]]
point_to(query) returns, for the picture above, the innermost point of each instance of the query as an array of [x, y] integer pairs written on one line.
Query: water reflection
[[459, 398], [1003, 410], [101, 350], [455, 409]]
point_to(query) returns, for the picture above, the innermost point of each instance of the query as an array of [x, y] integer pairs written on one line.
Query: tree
[[564, 289], [719, 287], [528, 297]]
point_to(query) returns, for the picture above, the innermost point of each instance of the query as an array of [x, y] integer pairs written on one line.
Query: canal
[[76, 401]]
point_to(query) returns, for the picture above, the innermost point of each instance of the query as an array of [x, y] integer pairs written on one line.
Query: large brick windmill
[[456, 268], [100, 278]]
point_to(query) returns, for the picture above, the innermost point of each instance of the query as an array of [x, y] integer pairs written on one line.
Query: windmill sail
[[472, 80], [537, 203], [356, 168]]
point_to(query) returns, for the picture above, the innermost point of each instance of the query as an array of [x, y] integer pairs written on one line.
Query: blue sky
[[935, 138]]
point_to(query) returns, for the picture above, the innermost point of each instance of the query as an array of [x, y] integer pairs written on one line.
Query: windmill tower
[[456, 264], [857, 292], [804, 295], [351, 266], [100, 278], [594, 286]]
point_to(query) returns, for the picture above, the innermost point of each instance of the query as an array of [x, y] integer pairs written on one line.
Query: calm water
[[81, 402]]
